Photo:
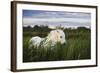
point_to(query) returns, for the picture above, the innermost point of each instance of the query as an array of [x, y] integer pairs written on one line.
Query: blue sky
[[55, 18]]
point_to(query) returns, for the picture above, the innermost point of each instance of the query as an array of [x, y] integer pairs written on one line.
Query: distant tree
[[28, 28], [83, 28], [36, 28]]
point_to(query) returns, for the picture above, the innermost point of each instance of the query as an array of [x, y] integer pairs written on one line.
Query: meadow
[[78, 46]]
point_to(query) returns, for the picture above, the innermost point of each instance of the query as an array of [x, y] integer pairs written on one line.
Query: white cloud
[[28, 21]]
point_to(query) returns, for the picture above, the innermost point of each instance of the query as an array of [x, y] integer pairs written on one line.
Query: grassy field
[[78, 47]]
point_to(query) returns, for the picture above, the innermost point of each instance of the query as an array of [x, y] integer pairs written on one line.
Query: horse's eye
[[60, 36], [57, 31]]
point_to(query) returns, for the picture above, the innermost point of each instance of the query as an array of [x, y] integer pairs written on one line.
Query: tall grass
[[77, 48]]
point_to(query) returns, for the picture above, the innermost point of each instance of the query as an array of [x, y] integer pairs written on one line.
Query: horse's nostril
[[60, 36], [64, 43]]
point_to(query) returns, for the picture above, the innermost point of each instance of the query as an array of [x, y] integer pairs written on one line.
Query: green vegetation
[[78, 45]]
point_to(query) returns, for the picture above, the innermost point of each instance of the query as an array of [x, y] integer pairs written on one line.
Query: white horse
[[54, 37]]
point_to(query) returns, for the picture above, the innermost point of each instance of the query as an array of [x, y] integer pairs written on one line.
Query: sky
[[56, 18]]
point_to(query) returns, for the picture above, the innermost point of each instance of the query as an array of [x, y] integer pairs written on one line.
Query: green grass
[[78, 47]]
